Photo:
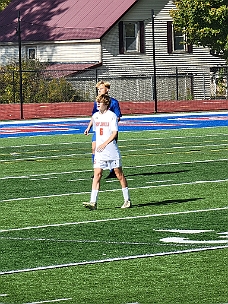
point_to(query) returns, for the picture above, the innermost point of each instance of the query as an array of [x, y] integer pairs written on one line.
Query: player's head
[[105, 99], [102, 87]]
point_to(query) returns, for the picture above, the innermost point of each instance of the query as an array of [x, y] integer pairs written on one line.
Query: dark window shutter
[[142, 36], [189, 48], [169, 37], [121, 38]]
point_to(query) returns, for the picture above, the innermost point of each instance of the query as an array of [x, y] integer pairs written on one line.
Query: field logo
[[220, 238]]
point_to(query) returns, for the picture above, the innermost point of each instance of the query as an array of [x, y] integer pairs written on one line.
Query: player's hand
[[86, 132], [101, 148]]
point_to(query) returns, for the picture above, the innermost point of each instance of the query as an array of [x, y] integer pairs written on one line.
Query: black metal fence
[[66, 86]]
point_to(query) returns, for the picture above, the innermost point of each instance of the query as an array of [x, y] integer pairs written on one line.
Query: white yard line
[[86, 241], [120, 140], [117, 258], [126, 258], [127, 167], [114, 219], [50, 301], [132, 150], [115, 190]]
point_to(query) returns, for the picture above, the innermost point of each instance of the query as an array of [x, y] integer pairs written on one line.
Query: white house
[[118, 36]]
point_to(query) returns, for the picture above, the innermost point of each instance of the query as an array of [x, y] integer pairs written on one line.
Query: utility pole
[[154, 64], [20, 65]]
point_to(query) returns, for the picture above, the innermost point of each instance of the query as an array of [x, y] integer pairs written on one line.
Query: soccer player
[[107, 154], [103, 88]]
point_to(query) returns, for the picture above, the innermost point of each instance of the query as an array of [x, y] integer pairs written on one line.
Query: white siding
[[70, 52], [142, 11], [199, 61], [8, 53], [107, 51], [88, 51]]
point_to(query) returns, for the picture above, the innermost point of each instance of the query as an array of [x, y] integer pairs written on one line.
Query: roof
[[55, 20], [68, 69]]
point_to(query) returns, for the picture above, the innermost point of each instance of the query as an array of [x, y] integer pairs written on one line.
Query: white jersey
[[104, 124]]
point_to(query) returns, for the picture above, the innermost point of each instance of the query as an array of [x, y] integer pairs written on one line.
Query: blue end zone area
[[127, 123]]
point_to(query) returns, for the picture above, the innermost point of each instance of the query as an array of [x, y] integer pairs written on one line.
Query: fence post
[[14, 90], [226, 83], [177, 85], [20, 68], [154, 63]]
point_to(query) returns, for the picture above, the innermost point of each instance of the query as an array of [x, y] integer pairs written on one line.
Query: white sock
[[126, 194], [94, 194]]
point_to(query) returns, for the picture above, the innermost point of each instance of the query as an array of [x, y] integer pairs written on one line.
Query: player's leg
[[93, 146], [98, 170], [123, 181], [112, 173], [92, 205]]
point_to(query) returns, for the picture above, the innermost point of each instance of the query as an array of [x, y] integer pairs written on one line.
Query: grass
[[171, 247]]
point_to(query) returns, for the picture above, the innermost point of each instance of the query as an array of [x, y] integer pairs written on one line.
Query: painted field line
[[90, 241], [126, 167], [46, 157], [50, 301], [44, 174], [126, 258], [36, 158], [177, 147], [173, 137], [120, 140], [96, 242], [114, 190], [115, 219]]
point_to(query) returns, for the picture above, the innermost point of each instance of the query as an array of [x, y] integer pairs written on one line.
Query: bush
[[36, 86]]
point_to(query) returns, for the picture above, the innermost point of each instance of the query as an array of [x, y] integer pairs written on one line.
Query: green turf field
[[170, 248]]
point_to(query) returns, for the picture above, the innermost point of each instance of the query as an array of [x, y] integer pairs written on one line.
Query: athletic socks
[[94, 194], [126, 194]]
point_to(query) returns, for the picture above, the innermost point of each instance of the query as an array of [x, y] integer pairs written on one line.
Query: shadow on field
[[167, 202], [157, 173]]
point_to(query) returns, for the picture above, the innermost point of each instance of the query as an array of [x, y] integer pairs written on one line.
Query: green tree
[[3, 4], [204, 22], [38, 85]]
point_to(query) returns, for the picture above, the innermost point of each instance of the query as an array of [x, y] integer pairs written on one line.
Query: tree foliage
[[205, 23], [37, 84], [3, 4]]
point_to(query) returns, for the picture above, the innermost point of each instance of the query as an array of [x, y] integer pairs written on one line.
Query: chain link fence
[[60, 93], [127, 85]]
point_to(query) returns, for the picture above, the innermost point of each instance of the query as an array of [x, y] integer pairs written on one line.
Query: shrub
[[37, 88]]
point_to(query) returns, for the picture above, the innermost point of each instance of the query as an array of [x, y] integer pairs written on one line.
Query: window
[[175, 41], [31, 53], [131, 37], [178, 41]]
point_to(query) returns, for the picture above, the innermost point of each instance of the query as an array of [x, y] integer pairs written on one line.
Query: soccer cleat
[[112, 174], [90, 206], [127, 204]]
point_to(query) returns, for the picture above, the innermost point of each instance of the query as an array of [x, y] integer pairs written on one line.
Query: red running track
[[80, 109]]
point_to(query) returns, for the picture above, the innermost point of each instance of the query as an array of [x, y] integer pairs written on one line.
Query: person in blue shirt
[[103, 87]]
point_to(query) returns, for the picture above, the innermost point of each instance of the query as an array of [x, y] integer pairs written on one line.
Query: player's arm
[[86, 132], [110, 139], [115, 107], [118, 111]]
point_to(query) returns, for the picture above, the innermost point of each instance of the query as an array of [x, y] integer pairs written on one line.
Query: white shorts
[[107, 164]]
